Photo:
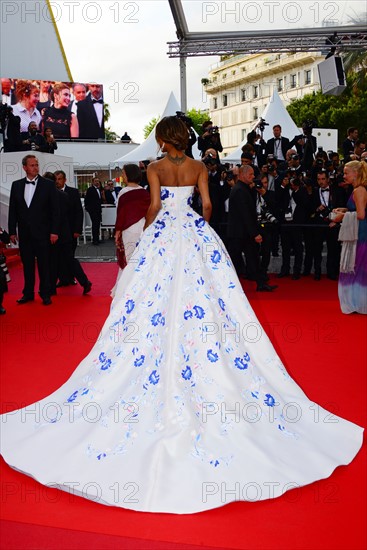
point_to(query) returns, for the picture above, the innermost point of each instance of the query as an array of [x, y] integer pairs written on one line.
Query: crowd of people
[[284, 192]]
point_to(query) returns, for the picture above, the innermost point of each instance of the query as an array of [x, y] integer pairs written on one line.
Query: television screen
[[73, 110]]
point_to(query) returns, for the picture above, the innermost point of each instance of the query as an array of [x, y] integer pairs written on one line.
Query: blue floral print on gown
[[183, 404]]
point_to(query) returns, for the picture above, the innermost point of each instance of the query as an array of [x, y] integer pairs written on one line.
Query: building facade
[[240, 88]]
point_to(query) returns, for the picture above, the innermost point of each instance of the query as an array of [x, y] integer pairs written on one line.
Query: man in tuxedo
[[93, 205], [243, 230], [7, 93], [10, 128], [278, 145], [325, 198], [34, 213], [349, 142], [70, 265], [90, 114]]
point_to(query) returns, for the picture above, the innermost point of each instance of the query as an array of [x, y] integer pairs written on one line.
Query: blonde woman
[[353, 278]]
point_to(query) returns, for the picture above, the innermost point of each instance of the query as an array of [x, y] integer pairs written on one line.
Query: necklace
[[176, 160]]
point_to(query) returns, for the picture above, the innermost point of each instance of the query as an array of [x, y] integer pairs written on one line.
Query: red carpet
[[324, 350]]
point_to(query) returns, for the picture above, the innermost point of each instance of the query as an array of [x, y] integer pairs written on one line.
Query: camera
[[258, 185], [262, 124], [295, 157], [325, 212], [209, 160], [214, 130], [271, 168], [187, 120]]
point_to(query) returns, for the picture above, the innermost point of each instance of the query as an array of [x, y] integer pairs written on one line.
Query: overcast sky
[[123, 45]]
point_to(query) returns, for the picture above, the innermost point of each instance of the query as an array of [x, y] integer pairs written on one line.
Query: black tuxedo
[[34, 225], [111, 196], [64, 265], [348, 148], [93, 205], [89, 127], [75, 211], [270, 148], [335, 199], [242, 230]]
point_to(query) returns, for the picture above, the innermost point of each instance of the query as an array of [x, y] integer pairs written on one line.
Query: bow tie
[[97, 100], [277, 139], [32, 182], [325, 190]]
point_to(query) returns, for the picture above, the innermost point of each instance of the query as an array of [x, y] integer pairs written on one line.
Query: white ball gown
[[183, 404]]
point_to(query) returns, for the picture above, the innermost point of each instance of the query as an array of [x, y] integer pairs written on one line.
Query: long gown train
[[182, 405]]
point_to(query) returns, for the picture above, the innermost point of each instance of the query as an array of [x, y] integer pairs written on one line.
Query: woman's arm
[[204, 193], [360, 198], [155, 195], [74, 127]]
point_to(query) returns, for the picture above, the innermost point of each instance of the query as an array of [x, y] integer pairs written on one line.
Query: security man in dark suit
[[34, 215], [71, 267], [243, 231]]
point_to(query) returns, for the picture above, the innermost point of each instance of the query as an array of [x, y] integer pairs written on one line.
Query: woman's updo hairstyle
[[172, 130], [57, 88], [24, 89]]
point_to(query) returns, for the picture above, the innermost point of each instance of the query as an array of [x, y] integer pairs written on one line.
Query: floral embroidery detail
[[164, 194], [158, 319], [130, 305], [73, 396], [269, 401], [187, 373], [154, 378], [222, 304], [200, 222], [213, 357], [199, 312], [138, 362], [241, 363], [216, 257], [188, 315]]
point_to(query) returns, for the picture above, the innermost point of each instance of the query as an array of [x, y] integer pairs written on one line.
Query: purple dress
[[352, 287]]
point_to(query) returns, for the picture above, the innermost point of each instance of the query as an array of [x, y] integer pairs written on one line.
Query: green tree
[[340, 112], [110, 135], [197, 116]]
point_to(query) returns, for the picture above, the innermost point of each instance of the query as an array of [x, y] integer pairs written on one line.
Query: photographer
[[268, 223], [10, 128], [294, 205], [210, 138], [258, 142], [32, 140], [192, 136], [306, 144]]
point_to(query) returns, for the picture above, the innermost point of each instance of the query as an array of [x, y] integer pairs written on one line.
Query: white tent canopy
[[274, 113], [148, 150]]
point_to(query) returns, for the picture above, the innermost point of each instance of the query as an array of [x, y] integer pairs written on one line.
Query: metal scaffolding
[[196, 44], [234, 43]]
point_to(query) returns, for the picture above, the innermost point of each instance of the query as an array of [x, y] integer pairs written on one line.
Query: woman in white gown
[[183, 404]]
